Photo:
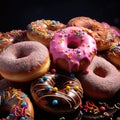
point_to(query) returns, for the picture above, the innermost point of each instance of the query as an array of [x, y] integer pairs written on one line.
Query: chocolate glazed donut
[[56, 93]]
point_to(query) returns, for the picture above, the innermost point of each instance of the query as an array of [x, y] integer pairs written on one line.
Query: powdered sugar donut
[[24, 61], [72, 49], [102, 80]]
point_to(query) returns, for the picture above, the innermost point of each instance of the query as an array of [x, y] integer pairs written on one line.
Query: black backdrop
[[16, 14]]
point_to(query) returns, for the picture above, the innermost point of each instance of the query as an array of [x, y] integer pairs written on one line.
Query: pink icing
[[72, 45]]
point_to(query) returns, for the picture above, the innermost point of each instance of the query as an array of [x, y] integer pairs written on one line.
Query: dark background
[[16, 14]]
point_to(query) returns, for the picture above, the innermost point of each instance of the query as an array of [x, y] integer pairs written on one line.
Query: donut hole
[[73, 45], [4, 111], [65, 81], [100, 72], [22, 55]]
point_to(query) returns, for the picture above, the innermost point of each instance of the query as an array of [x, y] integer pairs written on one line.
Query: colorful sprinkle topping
[[45, 78], [18, 109], [68, 87], [54, 102], [55, 89], [41, 80], [22, 118], [47, 87], [24, 104], [76, 87]]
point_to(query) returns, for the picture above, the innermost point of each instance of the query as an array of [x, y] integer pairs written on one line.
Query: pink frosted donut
[[102, 80], [72, 49]]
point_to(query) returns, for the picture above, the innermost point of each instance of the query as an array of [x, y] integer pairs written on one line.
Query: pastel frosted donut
[[43, 30], [16, 103], [102, 80], [94, 29], [24, 61], [57, 93], [113, 55], [72, 49]]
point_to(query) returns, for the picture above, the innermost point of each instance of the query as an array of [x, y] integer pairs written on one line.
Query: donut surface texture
[[43, 30], [93, 28], [113, 55], [24, 61], [102, 80], [17, 104], [10, 37], [57, 93], [5, 41], [72, 49]]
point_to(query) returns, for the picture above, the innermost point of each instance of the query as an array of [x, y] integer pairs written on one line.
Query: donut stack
[[61, 71]]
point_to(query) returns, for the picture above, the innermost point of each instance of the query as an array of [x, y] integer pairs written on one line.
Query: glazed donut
[[24, 61], [102, 80], [113, 55], [93, 28], [72, 49], [57, 93], [43, 30], [15, 105]]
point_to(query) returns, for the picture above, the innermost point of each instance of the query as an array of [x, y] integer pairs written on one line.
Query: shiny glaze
[[66, 91]]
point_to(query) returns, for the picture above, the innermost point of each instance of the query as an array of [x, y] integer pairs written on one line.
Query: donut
[[17, 35], [102, 79], [24, 61], [43, 30], [5, 41], [93, 28], [15, 105], [10, 37], [113, 55], [72, 50], [57, 93], [113, 33]]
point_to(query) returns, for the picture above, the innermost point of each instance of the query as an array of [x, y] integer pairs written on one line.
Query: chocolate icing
[[57, 93]]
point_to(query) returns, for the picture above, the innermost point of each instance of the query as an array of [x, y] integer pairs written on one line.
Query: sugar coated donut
[[24, 61], [102, 80], [72, 49], [43, 30], [113, 55], [15, 105], [93, 28], [57, 93]]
